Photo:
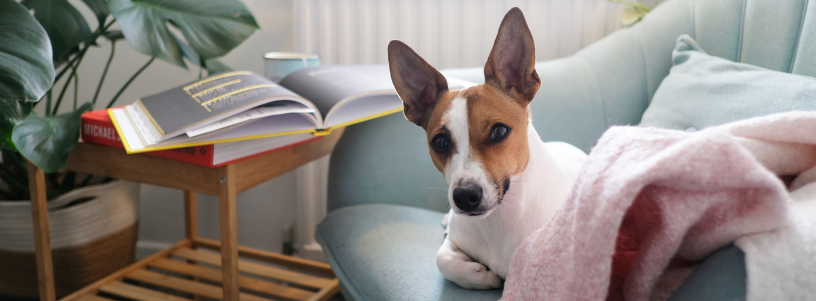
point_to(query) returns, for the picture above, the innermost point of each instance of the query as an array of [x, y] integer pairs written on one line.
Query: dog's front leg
[[458, 267]]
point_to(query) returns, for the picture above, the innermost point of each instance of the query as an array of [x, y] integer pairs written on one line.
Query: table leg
[[228, 213], [190, 215], [191, 227], [42, 242]]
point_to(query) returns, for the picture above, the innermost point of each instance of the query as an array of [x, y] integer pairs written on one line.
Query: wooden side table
[[298, 279]]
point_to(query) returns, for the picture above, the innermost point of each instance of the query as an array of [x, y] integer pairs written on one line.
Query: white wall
[[262, 210], [446, 33]]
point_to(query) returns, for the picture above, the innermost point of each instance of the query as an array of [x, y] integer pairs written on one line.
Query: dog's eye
[[498, 133], [441, 143]]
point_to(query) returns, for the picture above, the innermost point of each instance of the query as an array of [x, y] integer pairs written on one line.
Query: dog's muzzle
[[468, 197]]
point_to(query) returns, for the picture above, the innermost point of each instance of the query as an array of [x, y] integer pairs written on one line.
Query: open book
[[242, 105]]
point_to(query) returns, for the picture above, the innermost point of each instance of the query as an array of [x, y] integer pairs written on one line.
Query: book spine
[[100, 132]]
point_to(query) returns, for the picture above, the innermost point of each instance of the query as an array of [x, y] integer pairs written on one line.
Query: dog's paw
[[477, 276]]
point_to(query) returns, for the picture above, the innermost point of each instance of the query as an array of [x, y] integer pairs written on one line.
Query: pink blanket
[[650, 204]]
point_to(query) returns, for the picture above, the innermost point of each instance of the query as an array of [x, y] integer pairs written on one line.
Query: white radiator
[[447, 33]]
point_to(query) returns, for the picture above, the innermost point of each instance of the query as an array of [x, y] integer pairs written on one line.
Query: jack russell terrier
[[503, 181]]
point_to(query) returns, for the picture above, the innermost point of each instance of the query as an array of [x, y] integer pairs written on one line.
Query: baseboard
[[312, 251]]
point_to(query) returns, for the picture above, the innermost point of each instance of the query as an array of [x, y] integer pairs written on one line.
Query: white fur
[[534, 196], [464, 166]]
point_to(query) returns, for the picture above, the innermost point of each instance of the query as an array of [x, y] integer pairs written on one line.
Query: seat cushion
[[722, 277], [388, 252]]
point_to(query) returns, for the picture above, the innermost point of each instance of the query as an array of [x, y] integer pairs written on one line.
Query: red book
[[97, 128]]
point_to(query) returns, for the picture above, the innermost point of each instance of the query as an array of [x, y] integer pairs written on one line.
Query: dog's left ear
[[511, 64], [418, 84]]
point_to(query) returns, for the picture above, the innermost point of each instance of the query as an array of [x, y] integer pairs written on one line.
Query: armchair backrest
[[610, 82]]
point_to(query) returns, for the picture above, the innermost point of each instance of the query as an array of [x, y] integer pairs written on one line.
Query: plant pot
[[93, 233]]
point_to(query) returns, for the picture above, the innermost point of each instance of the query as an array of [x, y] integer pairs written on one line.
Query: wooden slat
[[245, 282], [137, 293], [42, 241], [90, 289], [93, 298], [326, 292], [228, 214], [257, 170], [258, 269], [185, 285], [274, 258], [114, 162]]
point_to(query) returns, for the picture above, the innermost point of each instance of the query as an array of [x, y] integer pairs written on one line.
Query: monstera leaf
[[26, 69], [213, 66], [12, 112], [633, 13], [211, 28], [99, 8], [47, 141], [65, 25]]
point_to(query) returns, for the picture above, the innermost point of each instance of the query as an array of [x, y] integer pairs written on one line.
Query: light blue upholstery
[[703, 91], [382, 250], [397, 244]]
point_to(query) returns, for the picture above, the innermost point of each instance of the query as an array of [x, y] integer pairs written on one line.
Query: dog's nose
[[468, 197]]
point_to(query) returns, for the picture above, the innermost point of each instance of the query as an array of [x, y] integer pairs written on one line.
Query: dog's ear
[[417, 83], [511, 64]]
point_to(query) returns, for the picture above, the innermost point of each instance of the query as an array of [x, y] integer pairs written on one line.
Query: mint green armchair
[[386, 199]]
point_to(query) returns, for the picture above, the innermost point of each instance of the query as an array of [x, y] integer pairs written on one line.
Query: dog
[[504, 182]]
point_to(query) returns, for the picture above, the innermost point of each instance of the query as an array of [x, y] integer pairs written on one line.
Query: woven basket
[[89, 239]]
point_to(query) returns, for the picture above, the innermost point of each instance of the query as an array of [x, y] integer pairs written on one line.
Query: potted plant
[[93, 219]]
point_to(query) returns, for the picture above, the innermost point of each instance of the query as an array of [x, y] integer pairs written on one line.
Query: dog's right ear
[[417, 83]]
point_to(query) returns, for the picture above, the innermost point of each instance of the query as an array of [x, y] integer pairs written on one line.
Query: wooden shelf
[[185, 271]]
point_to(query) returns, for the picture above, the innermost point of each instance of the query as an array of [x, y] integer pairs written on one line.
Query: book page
[[359, 108], [211, 99], [127, 131], [141, 122], [266, 110], [326, 86], [335, 91], [291, 123]]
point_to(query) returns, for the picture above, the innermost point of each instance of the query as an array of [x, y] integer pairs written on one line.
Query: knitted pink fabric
[[650, 204]]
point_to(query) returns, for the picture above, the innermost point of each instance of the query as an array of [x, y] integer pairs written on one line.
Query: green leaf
[[11, 113], [214, 66], [65, 25], [47, 141], [187, 52], [100, 9], [26, 68], [211, 27], [632, 15]]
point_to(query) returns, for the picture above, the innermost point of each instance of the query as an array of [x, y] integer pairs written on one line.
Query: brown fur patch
[[435, 126], [486, 106]]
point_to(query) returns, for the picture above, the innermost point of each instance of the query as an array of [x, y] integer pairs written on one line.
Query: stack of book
[[229, 117]]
